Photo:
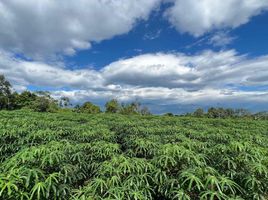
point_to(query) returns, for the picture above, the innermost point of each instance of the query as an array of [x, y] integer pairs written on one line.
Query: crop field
[[87, 157]]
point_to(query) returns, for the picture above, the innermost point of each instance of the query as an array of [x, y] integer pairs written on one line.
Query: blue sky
[[157, 35], [172, 55]]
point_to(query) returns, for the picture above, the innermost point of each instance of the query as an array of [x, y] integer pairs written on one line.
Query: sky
[[171, 55]]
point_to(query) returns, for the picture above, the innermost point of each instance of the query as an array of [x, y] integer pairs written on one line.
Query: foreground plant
[[73, 156]]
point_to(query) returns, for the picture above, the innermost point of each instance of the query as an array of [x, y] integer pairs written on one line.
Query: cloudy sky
[[172, 55]]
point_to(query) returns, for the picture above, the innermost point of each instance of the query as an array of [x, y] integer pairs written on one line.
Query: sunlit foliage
[[76, 156]]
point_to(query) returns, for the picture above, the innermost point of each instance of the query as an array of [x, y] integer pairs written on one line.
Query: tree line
[[42, 101], [223, 113]]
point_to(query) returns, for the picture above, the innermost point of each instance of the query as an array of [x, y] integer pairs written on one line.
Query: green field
[[80, 156]]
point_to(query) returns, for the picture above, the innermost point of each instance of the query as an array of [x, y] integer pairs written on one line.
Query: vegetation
[[5, 93], [88, 107], [76, 156], [228, 113], [42, 101], [113, 106]]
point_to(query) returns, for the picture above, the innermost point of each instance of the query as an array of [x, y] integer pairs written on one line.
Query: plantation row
[[82, 157]]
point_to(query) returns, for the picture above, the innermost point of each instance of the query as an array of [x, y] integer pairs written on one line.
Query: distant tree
[[212, 112], [216, 112], [224, 113], [64, 102], [230, 112], [221, 113], [169, 114], [25, 99], [130, 109], [187, 114], [89, 107], [112, 106], [135, 106], [5, 93], [242, 112], [261, 115], [44, 102], [12, 101], [199, 112], [77, 106], [145, 111], [41, 104]]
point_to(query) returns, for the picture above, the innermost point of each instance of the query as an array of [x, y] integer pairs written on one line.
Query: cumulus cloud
[[208, 69], [41, 28], [199, 17], [149, 70], [38, 28], [207, 78], [176, 100], [25, 73]]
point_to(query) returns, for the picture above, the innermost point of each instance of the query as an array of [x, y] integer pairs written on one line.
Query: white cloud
[[200, 16], [26, 73], [207, 78], [175, 100], [41, 28], [38, 28], [149, 70], [221, 39], [190, 72]]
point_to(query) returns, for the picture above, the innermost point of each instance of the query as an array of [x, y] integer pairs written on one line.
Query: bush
[[88, 107]]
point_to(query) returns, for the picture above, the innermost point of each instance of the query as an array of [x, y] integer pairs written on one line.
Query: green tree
[[169, 114], [44, 102], [199, 112], [89, 107], [212, 112], [221, 113], [112, 106], [64, 102], [5, 93], [12, 101], [242, 112], [145, 111], [130, 109], [261, 115], [230, 112], [25, 99]]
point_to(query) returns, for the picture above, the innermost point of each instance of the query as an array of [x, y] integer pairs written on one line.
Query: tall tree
[[112, 106], [89, 107], [129, 109], [5, 93]]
